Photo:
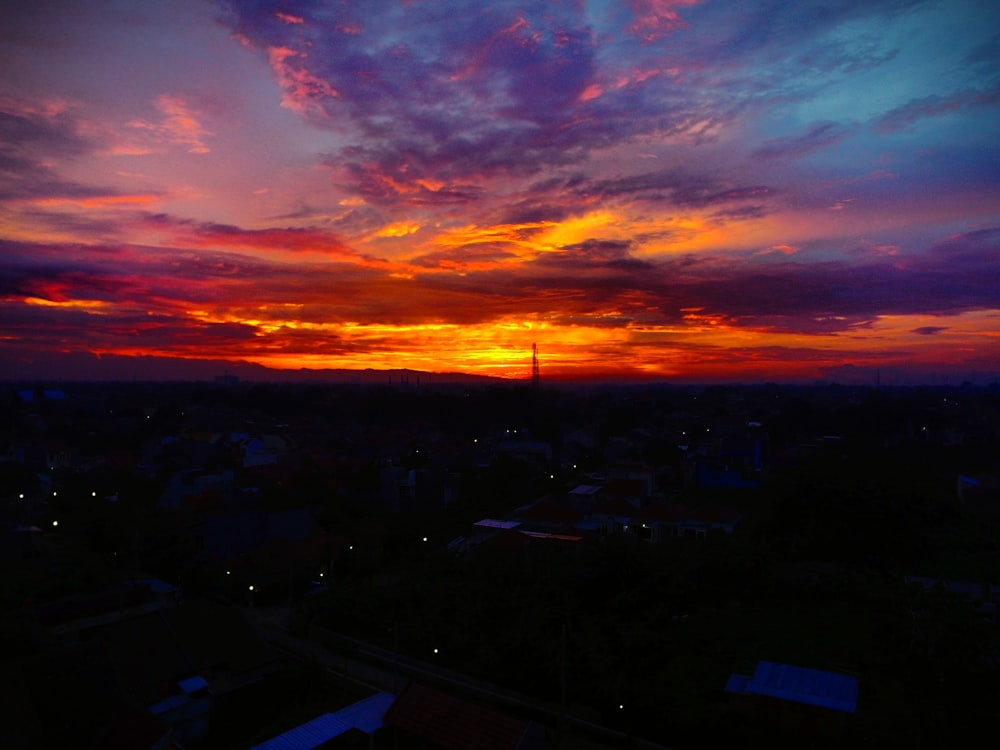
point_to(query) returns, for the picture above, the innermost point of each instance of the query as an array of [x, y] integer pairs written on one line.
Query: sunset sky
[[687, 190]]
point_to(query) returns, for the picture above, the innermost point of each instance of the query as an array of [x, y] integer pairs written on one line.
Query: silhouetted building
[[795, 699]]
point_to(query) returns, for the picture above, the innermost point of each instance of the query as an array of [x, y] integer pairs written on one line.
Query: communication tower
[[535, 375]]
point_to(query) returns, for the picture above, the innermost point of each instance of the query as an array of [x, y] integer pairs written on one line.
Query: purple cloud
[[819, 136], [902, 117]]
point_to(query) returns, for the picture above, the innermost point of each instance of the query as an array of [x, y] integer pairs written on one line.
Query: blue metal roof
[[193, 684], [812, 686], [737, 683], [307, 736], [492, 523], [365, 715], [168, 704]]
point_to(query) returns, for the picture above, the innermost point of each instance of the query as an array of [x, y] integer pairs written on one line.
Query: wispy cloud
[[935, 105], [179, 125], [817, 137]]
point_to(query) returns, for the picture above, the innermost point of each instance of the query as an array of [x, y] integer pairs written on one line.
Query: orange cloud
[[180, 126], [98, 201], [303, 91]]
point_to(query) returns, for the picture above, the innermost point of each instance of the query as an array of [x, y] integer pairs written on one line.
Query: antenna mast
[[535, 375]]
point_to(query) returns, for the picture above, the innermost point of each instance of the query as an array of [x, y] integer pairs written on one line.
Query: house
[[796, 699], [432, 718], [631, 481], [224, 537], [520, 545], [658, 522], [360, 720], [984, 597], [56, 700], [585, 496], [174, 664], [532, 452], [197, 488], [696, 522], [549, 513], [980, 493], [734, 462]]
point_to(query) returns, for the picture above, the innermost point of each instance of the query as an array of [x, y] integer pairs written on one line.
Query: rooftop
[[814, 687], [453, 723]]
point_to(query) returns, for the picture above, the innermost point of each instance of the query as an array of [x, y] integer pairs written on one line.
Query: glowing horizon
[[657, 189]]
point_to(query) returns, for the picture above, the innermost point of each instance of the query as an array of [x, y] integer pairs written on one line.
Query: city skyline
[[661, 189]]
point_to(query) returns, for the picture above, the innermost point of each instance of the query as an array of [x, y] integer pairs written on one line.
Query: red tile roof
[[622, 487], [454, 723], [550, 512], [619, 508]]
